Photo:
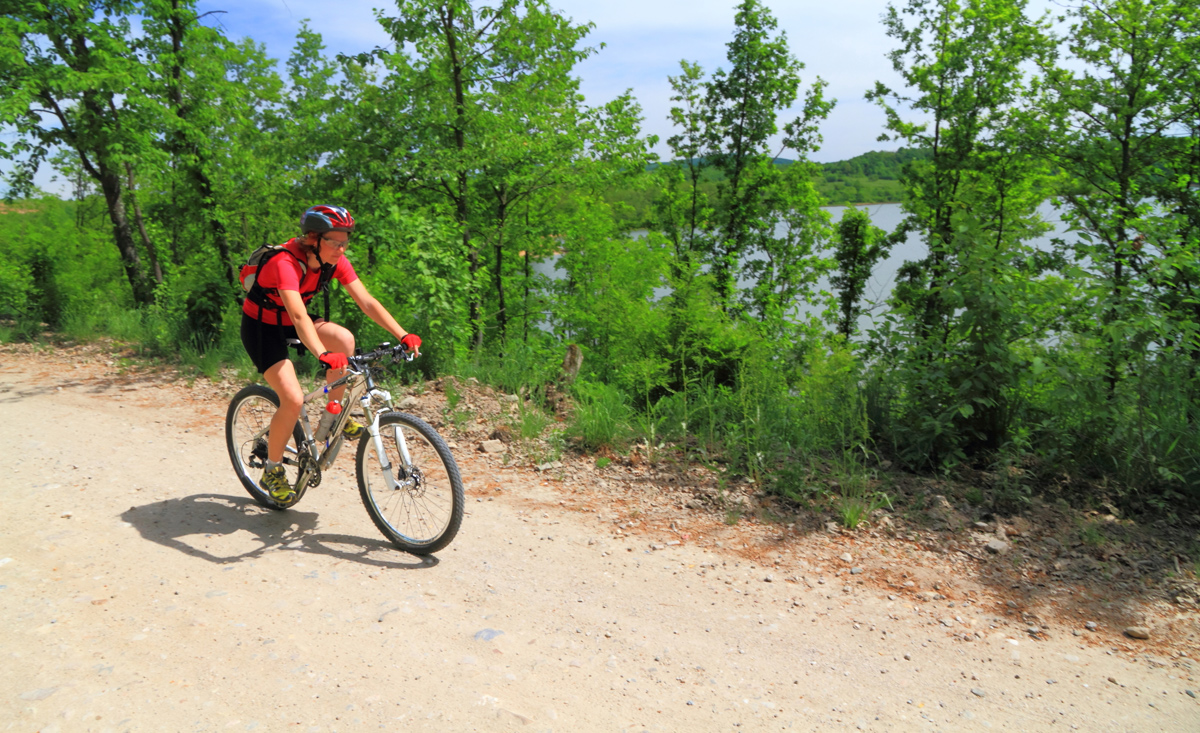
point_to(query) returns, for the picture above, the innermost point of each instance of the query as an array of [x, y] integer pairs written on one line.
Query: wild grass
[[602, 417], [520, 369], [455, 416], [530, 421]]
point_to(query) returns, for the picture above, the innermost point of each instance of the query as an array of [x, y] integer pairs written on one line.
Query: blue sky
[[842, 42]]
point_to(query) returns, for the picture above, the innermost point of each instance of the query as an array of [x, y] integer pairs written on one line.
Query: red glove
[[333, 360], [412, 342]]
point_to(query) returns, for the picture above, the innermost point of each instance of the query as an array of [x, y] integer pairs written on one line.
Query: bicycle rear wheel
[[418, 506], [246, 423]]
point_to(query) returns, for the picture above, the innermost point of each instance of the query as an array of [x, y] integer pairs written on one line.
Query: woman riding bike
[[275, 310]]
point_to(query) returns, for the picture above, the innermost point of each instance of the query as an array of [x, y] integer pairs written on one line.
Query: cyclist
[[275, 310]]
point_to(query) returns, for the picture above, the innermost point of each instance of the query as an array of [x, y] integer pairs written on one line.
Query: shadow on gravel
[[14, 394], [219, 529], [128, 382]]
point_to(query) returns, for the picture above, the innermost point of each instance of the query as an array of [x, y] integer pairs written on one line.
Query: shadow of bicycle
[[218, 528]]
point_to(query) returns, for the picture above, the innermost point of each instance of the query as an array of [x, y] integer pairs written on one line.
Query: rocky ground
[[141, 589]]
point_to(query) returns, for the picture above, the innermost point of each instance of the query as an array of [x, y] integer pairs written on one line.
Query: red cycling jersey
[[288, 272]]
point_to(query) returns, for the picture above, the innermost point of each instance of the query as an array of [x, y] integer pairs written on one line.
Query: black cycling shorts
[[266, 343]]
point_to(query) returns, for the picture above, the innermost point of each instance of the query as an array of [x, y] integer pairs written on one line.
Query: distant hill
[[870, 178]]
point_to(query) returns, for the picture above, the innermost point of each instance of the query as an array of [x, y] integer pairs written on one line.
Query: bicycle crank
[[309, 467]]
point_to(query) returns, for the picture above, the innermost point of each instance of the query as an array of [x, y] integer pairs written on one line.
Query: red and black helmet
[[323, 219]]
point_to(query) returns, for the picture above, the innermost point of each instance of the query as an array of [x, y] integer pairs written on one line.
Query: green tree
[[172, 32], [66, 82], [1120, 121], [684, 208], [858, 247], [789, 257], [578, 152], [1118, 118], [461, 81], [973, 201], [742, 105]]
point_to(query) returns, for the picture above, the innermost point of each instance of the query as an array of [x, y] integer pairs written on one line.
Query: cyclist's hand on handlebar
[[411, 343], [333, 360]]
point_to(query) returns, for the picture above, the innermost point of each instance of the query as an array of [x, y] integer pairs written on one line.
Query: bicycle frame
[[360, 386]]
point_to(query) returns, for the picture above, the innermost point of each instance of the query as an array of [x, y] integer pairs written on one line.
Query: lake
[[885, 216]]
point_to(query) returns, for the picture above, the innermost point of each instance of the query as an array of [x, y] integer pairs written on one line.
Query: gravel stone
[[997, 547]]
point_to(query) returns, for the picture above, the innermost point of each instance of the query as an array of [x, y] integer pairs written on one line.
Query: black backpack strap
[[323, 283]]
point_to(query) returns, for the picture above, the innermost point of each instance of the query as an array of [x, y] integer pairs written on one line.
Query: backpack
[[257, 294]]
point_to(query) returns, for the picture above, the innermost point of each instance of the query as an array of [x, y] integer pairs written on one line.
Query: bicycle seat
[[293, 342]]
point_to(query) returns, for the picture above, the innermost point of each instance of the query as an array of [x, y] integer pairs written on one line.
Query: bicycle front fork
[[374, 431]]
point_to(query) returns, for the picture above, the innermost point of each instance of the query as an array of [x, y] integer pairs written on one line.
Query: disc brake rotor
[[416, 482]]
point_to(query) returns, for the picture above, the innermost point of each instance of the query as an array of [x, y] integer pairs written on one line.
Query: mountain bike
[[407, 477]]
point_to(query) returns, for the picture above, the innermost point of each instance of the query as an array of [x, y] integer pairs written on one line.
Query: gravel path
[[141, 589]]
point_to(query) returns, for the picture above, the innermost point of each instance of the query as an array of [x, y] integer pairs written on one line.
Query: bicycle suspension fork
[[374, 431]]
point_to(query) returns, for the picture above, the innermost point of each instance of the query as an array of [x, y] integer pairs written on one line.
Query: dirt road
[[141, 589]]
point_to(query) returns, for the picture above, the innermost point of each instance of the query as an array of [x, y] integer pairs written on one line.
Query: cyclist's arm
[[304, 325], [374, 309]]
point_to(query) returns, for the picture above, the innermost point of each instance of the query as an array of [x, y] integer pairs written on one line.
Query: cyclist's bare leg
[[335, 338], [282, 377]]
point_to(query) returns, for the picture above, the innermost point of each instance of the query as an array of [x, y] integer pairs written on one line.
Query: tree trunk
[[204, 185], [141, 225], [475, 310], [501, 312], [110, 184], [525, 336], [461, 201], [572, 362]]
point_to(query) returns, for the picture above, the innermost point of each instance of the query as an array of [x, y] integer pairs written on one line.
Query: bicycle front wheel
[[418, 503], [246, 423]]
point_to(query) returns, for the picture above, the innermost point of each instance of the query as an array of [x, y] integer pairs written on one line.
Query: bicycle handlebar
[[361, 361]]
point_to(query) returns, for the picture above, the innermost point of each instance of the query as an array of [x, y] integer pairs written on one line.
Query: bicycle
[[407, 477]]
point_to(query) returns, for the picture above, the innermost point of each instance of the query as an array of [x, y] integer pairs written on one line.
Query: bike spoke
[[421, 509], [247, 427]]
